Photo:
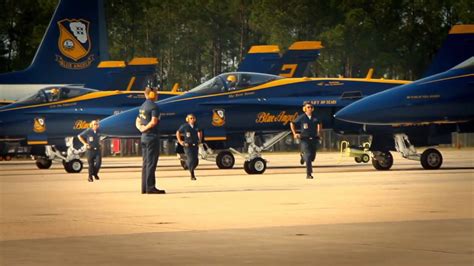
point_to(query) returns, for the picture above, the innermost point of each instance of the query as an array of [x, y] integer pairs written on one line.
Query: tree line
[[197, 39]]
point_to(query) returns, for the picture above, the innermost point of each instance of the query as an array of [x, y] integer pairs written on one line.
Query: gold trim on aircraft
[[143, 61], [462, 29], [214, 138], [37, 142], [89, 96], [130, 84], [286, 81], [455, 77], [306, 45], [257, 49], [109, 64]]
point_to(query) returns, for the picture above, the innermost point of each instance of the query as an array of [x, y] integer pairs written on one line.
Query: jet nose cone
[[120, 125], [353, 113]]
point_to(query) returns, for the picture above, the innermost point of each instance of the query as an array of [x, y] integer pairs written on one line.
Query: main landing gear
[[70, 159], [430, 159], [254, 163], [224, 158]]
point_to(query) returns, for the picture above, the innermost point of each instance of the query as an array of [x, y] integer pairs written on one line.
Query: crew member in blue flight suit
[[147, 123], [189, 136], [309, 136], [91, 139]]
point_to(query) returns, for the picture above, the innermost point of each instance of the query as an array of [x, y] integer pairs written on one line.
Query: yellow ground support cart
[[360, 153]]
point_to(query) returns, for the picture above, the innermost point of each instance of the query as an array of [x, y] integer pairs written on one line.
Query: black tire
[[385, 163], [183, 164], [357, 159], [365, 158], [247, 168], [43, 163], [257, 166], [73, 166], [225, 160], [431, 159]]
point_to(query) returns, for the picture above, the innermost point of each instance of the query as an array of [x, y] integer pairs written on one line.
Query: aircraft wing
[[283, 101]]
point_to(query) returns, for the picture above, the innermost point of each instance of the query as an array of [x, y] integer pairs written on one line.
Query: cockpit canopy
[[240, 80], [54, 94]]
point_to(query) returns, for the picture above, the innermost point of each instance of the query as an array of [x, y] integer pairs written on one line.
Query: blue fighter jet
[[258, 104], [262, 104], [74, 51], [417, 114], [46, 122]]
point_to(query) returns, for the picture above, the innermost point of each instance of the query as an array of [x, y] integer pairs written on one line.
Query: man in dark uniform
[[148, 123], [309, 136], [189, 136], [91, 139]]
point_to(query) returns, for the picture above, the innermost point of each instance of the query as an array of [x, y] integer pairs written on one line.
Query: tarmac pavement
[[350, 214]]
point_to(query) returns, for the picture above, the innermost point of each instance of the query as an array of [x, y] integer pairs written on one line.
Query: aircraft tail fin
[[74, 44], [458, 46], [260, 59], [295, 61]]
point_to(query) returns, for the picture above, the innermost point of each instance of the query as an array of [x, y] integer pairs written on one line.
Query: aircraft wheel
[[384, 162], [183, 164], [365, 158], [358, 159], [247, 167], [74, 166], [225, 160], [43, 163], [256, 166], [431, 159]]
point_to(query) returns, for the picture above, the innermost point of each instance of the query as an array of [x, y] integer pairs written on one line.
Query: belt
[[191, 144]]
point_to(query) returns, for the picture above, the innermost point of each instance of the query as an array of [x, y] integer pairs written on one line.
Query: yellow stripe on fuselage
[[37, 142], [287, 81], [85, 97], [214, 138], [455, 77]]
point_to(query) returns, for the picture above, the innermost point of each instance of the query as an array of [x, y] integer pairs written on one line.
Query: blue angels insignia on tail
[[74, 43]]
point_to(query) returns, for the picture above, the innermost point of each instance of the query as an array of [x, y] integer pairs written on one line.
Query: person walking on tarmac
[[309, 136], [147, 123], [91, 139], [189, 136]]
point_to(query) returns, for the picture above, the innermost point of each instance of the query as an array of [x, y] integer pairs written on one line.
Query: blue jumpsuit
[[150, 141], [191, 148], [94, 158], [309, 139]]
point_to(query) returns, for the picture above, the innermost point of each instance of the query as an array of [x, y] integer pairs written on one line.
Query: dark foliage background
[[197, 39]]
